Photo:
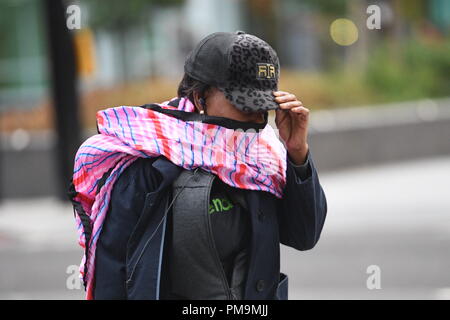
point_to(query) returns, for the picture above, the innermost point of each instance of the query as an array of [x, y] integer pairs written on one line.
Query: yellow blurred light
[[344, 32], [85, 52]]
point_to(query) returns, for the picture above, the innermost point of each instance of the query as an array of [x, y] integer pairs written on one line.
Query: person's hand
[[292, 122]]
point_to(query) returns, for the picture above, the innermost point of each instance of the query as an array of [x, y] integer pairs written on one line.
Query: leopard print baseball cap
[[244, 67]]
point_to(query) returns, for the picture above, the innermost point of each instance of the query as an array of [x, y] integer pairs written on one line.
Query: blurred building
[[155, 47], [157, 43], [23, 69]]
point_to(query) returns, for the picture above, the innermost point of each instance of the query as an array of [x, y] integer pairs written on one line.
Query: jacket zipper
[[230, 296]]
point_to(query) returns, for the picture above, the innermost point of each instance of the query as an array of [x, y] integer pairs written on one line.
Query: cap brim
[[251, 99]]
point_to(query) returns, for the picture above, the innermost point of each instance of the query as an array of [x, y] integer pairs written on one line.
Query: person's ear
[[196, 101], [199, 103]]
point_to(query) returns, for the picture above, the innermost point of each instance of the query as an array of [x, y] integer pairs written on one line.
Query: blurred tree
[[413, 11], [329, 7]]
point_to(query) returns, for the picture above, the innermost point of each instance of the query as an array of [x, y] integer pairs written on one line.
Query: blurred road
[[395, 216]]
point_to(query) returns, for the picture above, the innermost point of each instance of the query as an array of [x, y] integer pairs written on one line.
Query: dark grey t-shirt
[[230, 224], [230, 220]]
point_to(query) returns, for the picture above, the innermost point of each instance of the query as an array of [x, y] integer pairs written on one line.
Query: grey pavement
[[396, 217]]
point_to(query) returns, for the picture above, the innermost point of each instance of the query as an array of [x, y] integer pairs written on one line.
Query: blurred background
[[375, 74]]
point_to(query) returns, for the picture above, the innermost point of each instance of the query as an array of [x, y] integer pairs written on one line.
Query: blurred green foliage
[[418, 70], [331, 7], [401, 72]]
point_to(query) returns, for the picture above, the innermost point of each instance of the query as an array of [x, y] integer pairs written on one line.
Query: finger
[[287, 98], [280, 93], [300, 110], [283, 94], [290, 105]]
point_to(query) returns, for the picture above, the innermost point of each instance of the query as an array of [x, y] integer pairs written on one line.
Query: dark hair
[[189, 85]]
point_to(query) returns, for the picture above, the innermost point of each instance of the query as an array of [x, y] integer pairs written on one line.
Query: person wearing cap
[[212, 230]]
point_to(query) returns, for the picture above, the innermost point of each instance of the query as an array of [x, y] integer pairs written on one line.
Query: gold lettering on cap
[[266, 71], [262, 71], [271, 71]]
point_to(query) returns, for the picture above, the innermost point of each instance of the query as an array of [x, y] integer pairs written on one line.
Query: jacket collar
[[167, 169]]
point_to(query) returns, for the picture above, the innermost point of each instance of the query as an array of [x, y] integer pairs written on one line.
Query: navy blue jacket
[[130, 247]]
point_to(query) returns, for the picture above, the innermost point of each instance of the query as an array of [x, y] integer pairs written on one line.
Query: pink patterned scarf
[[254, 160]]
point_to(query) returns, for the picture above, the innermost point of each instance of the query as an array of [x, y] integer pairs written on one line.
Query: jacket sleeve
[[302, 211], [126, 205]]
